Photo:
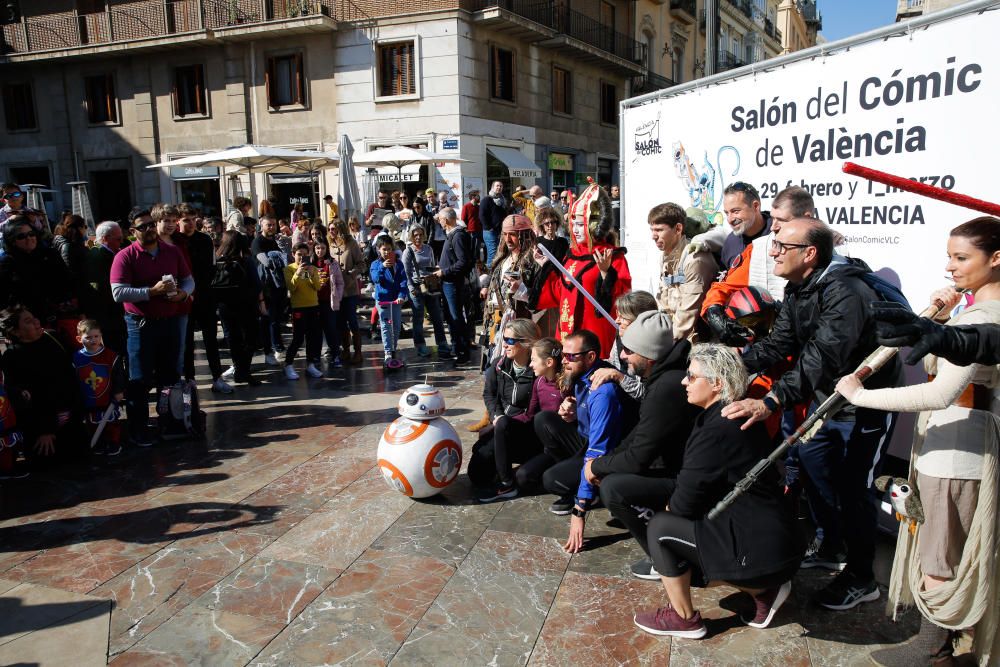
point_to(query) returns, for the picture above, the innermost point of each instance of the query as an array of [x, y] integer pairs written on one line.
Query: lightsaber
[[931, 191], [876, 360], [100, 425], [576, 283]]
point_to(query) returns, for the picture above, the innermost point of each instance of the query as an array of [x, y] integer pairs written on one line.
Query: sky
[[843, 18]]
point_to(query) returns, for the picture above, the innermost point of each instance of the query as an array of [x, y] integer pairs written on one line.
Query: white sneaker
[[229, 373], [290, 372], [313, 372], [270, 360], [222, 387]]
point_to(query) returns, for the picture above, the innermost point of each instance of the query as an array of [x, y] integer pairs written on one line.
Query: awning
[[291, 178], [518, 163]]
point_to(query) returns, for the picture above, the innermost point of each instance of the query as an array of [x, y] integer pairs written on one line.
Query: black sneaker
[[503, 492], [830, 561], [644, 569], [562, 506], [847, 592]]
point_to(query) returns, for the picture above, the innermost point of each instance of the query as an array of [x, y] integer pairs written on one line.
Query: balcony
[[650, 83], [683, 10], [772, 31], [167, 24], [743, 7], [727, 61], [547, 25]]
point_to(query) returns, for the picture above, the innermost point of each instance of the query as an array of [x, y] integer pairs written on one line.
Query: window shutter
[[300, 85], [175, 97], [109, 97], [495, 71], [199, 90], [407, 69], [268, 77]]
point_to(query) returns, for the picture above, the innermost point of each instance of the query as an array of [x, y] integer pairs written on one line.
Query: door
[[110, 194]]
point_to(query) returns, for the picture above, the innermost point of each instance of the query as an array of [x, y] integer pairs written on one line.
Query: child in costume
[[102, 377]]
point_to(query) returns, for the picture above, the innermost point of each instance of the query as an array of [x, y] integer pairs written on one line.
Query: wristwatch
[[576, 511], [771, 403]]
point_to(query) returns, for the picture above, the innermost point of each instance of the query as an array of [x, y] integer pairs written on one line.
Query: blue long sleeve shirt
[[599, 420], [390, 283]]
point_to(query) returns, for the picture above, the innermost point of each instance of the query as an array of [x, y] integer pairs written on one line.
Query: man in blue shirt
[[602, 416]]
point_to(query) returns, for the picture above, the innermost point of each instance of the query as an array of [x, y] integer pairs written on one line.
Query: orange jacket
[[737, 277]]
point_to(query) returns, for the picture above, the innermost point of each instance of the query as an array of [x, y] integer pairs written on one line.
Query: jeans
[[431, 304], [492, 240], [390, 318], [153, 347], [454, 296], [840, 464], [270, 324], [305, 325], [328, 322]]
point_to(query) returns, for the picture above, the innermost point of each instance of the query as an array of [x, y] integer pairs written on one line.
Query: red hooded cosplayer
[[596, 264]]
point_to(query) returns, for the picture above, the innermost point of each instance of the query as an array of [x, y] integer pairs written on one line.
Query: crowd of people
[[651, 405]]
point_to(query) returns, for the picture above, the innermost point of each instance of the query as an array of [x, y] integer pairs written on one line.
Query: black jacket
[[201, 250], [506, 393], [490, 215], [456, 260], [100, 304], [656, 445], [38, 281], [756, 535], [826, 325], [45, 370]]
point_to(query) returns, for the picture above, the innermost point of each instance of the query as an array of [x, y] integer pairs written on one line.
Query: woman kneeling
[[753, 544]]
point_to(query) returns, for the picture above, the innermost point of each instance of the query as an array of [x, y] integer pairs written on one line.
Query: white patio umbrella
[[348, 199], [399, 157], [255, 159]]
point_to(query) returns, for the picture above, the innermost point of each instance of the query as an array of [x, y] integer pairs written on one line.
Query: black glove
[[726, 329], [897, 326]]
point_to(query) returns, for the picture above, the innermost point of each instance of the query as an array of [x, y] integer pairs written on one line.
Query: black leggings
[[510, 441], [559, 441], [674, 550]]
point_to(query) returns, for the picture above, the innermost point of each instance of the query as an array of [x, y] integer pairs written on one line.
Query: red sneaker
[[666, 621], [768, 603]]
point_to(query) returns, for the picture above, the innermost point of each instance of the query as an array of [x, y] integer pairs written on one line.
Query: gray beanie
[[650, 335]]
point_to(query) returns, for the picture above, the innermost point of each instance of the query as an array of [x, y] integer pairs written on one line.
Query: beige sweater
[[952, 446]]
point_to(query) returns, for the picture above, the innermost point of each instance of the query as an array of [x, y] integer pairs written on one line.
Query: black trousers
[[305, 326], [242, 326], [559, 441], [510, 441], [204, 319], [634, 499]]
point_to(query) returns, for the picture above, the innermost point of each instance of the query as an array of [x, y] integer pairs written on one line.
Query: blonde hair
[[522, 327]]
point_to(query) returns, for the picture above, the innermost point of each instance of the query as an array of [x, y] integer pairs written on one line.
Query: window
[[284, 81], [562, 91], [189, 91], [102, 105], [397, 69], [19, 107], [678, 65], [609, 103], [608, 14], [502, 74]]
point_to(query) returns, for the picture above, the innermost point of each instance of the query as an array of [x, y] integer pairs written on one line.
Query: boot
[[932, 645], [481, 424], [345, 348], [356, 359]]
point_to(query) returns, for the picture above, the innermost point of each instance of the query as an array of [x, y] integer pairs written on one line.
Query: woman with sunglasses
[[33, 276], [753, 545], [507, 393]]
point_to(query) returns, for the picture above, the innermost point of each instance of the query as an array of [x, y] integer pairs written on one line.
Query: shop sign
[[560, 162]]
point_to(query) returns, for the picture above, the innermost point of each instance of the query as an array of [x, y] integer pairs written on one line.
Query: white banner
[[922, 106]]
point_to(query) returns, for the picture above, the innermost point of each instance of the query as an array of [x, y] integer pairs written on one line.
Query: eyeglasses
[[782, 248], [143, 226], [691, 377], [25, 235], [575, 356], [513, 341]]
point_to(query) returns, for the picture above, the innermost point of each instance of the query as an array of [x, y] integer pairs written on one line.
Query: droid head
[[421, 401]]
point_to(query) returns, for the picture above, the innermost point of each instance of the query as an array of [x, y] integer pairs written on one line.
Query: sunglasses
[[626, 351], [740, 186], [13, 195], [513, 341], [25, 235], [691, 377], [144, 226], [575, 356]]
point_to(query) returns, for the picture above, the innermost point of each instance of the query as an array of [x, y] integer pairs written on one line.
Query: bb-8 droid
[[420, 453]]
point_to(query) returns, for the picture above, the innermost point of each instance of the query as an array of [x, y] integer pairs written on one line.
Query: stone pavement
[[276, 542]]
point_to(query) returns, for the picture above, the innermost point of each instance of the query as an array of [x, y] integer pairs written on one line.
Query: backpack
[[179, 414], [884, 289], [230, 280]]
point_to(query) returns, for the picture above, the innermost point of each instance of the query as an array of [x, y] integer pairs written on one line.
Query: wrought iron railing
[[144, 19], [726, 61], [571, 23], [689, 6], [744, 7], [650, 82]]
